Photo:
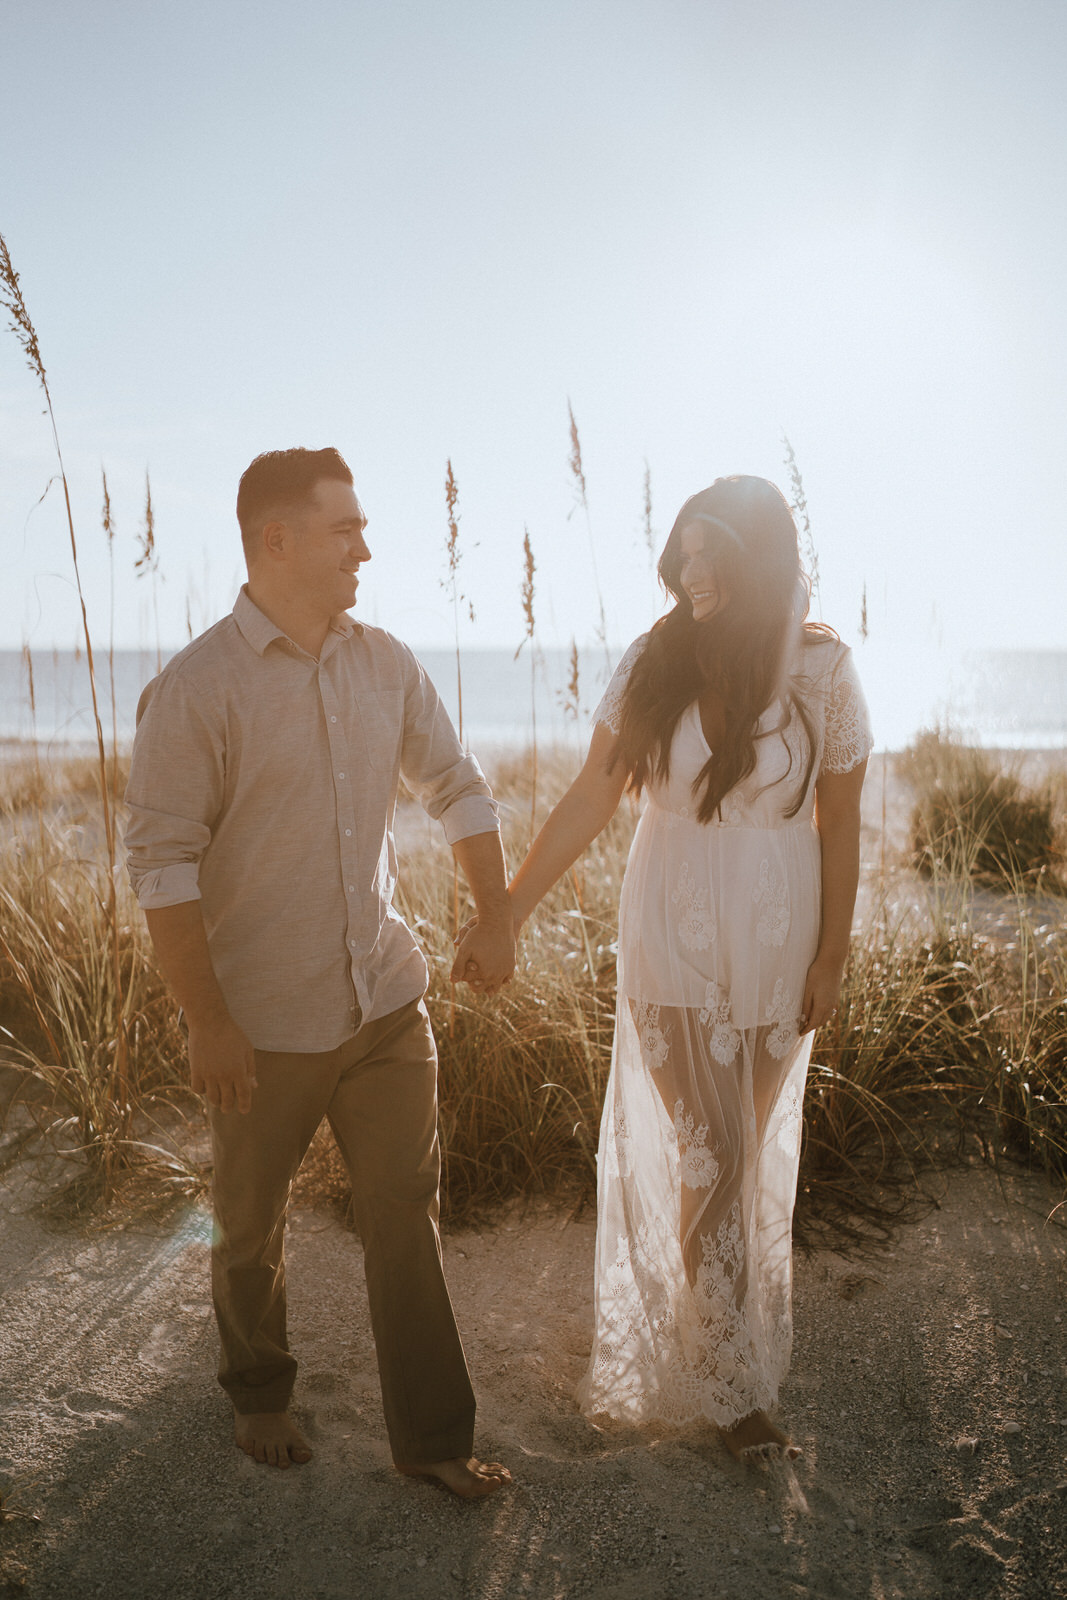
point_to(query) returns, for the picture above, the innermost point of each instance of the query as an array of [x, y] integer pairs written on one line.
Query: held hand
[[222, 1065], [822, 991], [485, 955], [472, 922]]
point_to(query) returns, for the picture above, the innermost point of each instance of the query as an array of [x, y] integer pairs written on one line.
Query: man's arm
[[174, 793], [222, 1063], [487, 959], [451, 787]]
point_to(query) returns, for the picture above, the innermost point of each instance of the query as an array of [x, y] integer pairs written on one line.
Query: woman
[[747, 731]]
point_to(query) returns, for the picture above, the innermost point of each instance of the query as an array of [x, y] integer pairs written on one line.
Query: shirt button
[[352, 942], [333, 719], [351, 888], [340, 774], [348, 833]]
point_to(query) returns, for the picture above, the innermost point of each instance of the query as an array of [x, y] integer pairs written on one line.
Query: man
[[262, 793]]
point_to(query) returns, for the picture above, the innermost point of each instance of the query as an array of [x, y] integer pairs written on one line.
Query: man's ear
[[274, 539]]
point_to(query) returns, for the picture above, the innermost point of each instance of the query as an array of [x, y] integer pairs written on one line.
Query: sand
[[928, 1389]]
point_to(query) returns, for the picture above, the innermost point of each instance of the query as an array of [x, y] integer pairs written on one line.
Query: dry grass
[[104, 1102], [945, 1035], [948, 1036], [65, 1001], [974, 818]]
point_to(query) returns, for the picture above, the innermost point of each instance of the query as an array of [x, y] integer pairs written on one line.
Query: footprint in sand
[[162, 1349], [90, 1407]]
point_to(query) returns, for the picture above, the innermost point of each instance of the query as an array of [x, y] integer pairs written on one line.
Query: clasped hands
[[485, 953]]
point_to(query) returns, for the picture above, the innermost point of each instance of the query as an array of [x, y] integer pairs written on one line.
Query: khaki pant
[[379, 1092]]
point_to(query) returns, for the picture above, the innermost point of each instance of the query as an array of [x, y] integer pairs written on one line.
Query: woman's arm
[[586, 808], [837, 817]]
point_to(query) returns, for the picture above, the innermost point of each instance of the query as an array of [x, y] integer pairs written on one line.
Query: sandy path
[[107, 1397]]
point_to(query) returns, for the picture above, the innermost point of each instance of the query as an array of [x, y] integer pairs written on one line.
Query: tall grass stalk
[[39, 785], [800, 506], [22, 326], [109, 533], [451, 581], [574, 461], [451, 584], [528, 570], [147, 563], [646, 523], [570, 695]]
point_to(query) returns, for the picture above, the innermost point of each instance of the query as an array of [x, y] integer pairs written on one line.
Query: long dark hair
[[742, 652]]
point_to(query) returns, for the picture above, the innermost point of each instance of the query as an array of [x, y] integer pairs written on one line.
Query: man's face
[[325, 555]]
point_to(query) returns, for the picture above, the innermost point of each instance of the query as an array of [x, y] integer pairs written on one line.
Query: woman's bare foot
[[471, 1479], [755, 1438], [271, 1437]]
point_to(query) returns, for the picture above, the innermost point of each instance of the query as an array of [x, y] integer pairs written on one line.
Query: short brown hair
[[284, 481]]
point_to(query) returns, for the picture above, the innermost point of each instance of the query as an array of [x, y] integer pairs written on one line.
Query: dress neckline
[[694, 710], [701, 735]]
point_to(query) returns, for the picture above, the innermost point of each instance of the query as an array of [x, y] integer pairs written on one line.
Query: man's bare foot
[[471, 1479], [271, 1437], [755, 1438]]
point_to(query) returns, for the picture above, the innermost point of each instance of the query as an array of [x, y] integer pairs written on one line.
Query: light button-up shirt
[[263, 783]]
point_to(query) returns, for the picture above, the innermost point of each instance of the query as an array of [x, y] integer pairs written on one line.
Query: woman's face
[[697, 572]]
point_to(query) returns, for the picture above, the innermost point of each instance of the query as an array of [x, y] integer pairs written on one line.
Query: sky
[[420, 232]]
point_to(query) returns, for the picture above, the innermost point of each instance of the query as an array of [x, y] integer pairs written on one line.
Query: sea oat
[[148, 560], [650, 537], [528, 569], [800, 506], [568, 696], [20, 324], [147, 563], [450, 583], [574, 461]]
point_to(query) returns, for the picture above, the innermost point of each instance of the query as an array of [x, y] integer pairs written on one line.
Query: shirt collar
[[260, 631]]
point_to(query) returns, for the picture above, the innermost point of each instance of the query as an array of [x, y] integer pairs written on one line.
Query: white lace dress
[[700, 1138]]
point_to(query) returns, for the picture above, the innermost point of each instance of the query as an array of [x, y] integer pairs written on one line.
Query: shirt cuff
[[166, 886], [473, 814]]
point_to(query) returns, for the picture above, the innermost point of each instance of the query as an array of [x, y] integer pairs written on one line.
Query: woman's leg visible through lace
[[756, 1436], [705, 1101]]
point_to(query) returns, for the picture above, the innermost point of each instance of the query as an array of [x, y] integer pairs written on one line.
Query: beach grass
[[951, 1034], [76, 974], [975, 818]]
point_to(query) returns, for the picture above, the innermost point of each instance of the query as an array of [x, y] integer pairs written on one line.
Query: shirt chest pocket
[[381, 717]]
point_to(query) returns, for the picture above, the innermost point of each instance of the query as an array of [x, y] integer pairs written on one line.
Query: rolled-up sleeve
[[445, 779], [173, 794]]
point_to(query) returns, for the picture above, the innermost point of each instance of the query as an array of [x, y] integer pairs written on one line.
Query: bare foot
[[755, 1438], [471, 1479], [271, 1437]]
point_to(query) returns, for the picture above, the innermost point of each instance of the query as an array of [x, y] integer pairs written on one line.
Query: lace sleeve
[[848, 738], [609, 710]]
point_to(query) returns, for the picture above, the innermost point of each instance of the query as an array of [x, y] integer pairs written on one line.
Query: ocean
[[1013, 699]]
